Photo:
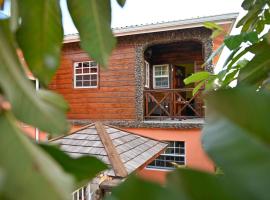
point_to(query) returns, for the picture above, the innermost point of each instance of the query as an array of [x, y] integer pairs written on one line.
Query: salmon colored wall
[[196, 158]]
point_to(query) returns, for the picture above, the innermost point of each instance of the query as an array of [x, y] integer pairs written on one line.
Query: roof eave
[[167, 26]]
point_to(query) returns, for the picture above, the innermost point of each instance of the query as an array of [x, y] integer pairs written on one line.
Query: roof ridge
[[115, 160]]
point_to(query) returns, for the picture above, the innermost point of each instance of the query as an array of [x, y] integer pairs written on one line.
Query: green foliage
[[233, 42], [199, 76], [27, 105], [94, 28], [121, 2], [40, 36], [238, 146], [216, 29], [35, 27], [27, 168], [83, 168]]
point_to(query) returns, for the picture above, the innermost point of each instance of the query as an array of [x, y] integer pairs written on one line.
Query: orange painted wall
[[196, 158]]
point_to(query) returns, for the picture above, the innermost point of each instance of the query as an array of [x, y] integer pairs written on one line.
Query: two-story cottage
[[142, 90]]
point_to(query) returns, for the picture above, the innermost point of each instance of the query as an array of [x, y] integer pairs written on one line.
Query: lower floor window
[[174, 155]]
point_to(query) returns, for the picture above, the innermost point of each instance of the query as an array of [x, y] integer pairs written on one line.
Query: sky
[[151, 11]]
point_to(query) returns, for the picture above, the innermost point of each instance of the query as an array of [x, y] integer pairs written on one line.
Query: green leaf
[[92, 18], [135, 188], [40, 36], [256, 70], [197, 185], [2, 178], [247, 4], [212, 26], [260, 26], [244, 159], [199, 76], [217, 29], [121, 2], [28, 169], [214, 54], [230, 57], [234, 41], [83, 169], [28, 106], [267, 16], [244, 107], [198, 87], [14, 15], [251, 37]]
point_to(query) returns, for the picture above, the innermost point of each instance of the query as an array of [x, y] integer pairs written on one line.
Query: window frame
[[155, 167], [147, 74], [82, 74], [161, 76]]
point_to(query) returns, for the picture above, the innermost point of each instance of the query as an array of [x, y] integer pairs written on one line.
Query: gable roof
[[122, 151], [164, 26]]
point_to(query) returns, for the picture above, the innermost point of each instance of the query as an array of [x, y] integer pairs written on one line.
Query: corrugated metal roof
[[164, 26], [133, 150]]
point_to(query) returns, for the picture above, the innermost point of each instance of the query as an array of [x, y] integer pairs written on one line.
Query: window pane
[[85, 64], [165, 70], [86, 70], [79, 64], [78, 71], [157, 71], [79, 78], [78, 83], [93, 70], [93, 77], [162, 82], [92, 64], [86, 77], [86, 83], [93, 83]]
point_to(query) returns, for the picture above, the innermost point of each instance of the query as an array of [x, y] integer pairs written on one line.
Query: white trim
[[165, 26], [162, 76], [90, 73], [147, 74]]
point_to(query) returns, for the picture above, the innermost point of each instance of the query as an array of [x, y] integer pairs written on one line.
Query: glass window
[[161, 76], [147, 75], [85, 74], [174, 154]]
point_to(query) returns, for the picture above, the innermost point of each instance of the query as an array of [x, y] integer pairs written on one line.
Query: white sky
[[150, 11]]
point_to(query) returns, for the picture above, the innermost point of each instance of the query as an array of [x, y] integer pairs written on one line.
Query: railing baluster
[[176, 99]]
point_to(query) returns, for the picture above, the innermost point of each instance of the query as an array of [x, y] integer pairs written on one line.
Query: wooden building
[[142, 89]]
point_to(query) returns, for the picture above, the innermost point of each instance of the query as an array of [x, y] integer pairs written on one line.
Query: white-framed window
[[174, 153], [161, 78], [147, 74], [86, 74]]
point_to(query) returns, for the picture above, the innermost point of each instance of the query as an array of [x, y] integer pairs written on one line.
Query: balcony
[[172, 104]]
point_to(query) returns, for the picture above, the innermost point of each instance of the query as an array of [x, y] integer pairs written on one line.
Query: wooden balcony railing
[[173, 104]]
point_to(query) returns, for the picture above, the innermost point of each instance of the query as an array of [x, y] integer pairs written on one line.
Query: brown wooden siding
[[114, 99]]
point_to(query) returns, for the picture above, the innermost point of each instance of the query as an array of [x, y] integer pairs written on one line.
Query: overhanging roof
[[122, 151], [164, 26]]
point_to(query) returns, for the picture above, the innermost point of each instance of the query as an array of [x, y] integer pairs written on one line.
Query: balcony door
[[178, 76]]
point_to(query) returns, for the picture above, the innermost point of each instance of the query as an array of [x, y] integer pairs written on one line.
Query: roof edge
[[164, 26]]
